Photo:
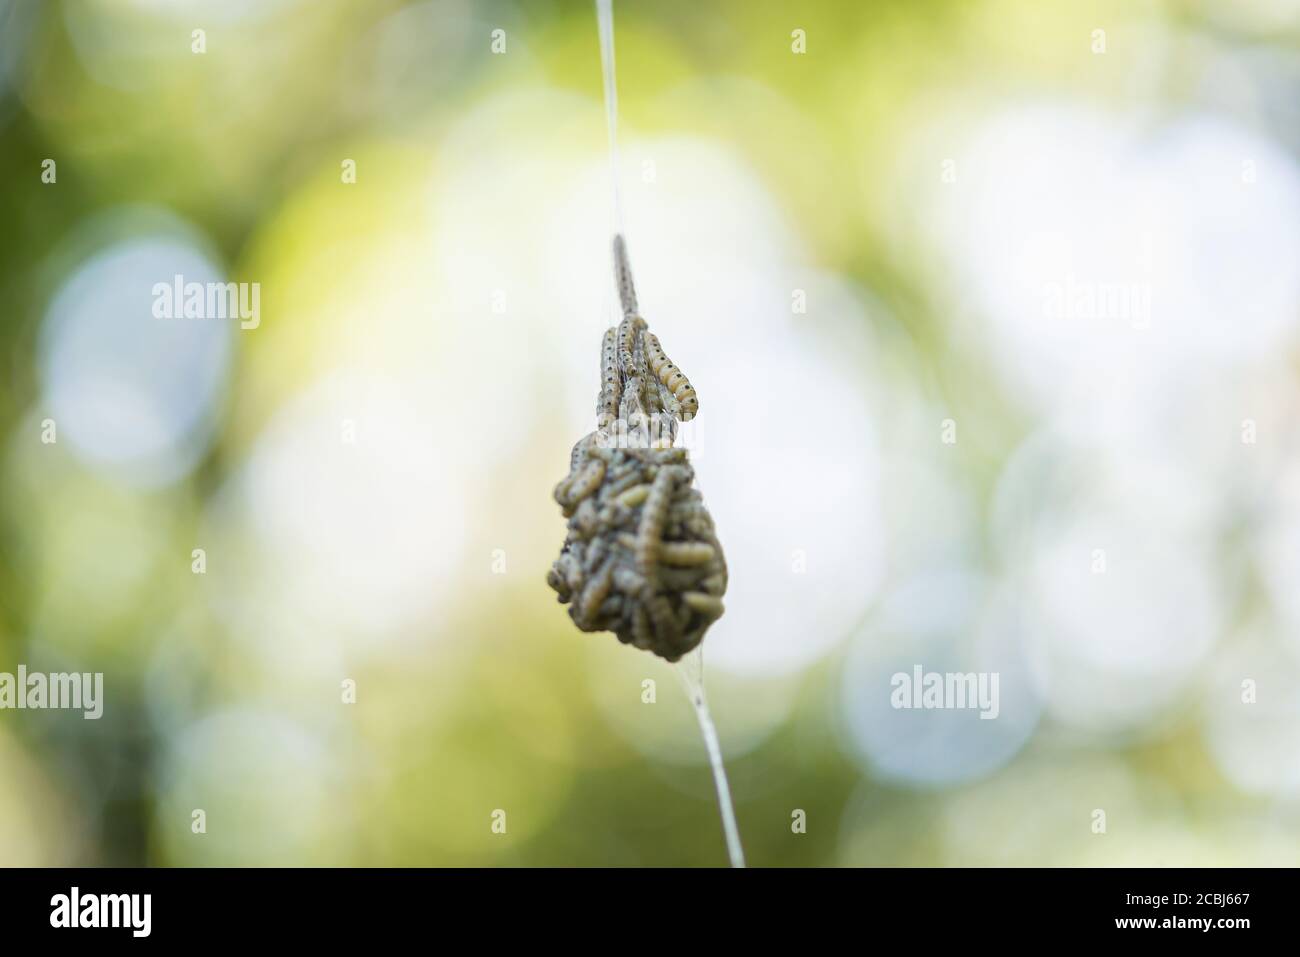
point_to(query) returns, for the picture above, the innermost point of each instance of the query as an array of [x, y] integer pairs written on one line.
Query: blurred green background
[[992, 308]]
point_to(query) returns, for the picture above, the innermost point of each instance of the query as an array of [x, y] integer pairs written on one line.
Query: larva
[[685, 553], [668, 631], [708, 605], [610, 381], [628, 581], [679, 579], [586, 520], [628, 481], [641, 635], [673, 379], [623, 276], [651, 528], [595, 554], [597, 589], [585, 483], [635, 495]]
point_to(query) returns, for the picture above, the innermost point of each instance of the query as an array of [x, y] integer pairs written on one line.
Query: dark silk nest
[[641, 558]]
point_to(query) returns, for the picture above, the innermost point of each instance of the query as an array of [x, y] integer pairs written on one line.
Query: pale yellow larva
[[583, 484], [686, 553], [673, 379], [597, 590], [688, 401], [710, 606], [635, 495], [651, 527]]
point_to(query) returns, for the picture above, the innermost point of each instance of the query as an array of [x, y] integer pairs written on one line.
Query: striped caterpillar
[[641, 558]]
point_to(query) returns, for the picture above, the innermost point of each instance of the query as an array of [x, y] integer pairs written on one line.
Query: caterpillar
[[673, 379], [610, 382]]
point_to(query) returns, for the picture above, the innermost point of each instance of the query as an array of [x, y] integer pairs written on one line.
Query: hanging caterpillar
[[641, 558], [683, 393]]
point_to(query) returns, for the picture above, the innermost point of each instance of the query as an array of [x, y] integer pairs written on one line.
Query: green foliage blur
[[226, 689]]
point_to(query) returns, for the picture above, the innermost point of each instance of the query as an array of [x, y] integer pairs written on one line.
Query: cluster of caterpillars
[[641, 558]]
